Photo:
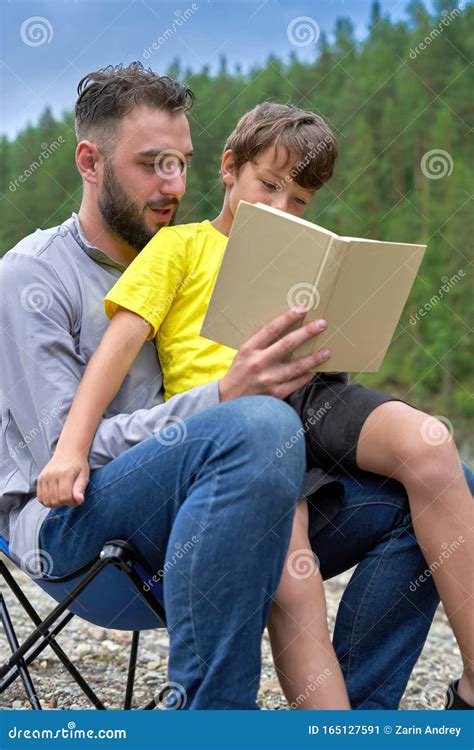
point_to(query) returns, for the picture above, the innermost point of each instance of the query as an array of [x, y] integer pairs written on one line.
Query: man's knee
[[263, 425], [267, 421]]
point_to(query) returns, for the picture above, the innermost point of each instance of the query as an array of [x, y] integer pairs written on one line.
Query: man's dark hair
[[107, 95]]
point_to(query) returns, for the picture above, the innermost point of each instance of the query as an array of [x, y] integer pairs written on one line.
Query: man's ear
[[228, 167], [87, 158]]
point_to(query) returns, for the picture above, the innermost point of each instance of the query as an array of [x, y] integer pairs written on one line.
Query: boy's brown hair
[[309, 143]]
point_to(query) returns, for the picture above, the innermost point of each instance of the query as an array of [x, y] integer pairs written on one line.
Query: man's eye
[[168, 165]]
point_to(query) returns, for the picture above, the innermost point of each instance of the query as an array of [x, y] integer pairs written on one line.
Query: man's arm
[[42, 367]]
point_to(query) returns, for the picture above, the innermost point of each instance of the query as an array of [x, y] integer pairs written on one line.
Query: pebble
[[106, 671], [98, 634], [111, 646], [153, 676], [122, 636], [152, 666]]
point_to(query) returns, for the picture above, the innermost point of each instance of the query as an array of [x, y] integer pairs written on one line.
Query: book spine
[[326, 280]]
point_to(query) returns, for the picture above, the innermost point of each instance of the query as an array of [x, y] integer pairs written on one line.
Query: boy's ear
[[228, 167]]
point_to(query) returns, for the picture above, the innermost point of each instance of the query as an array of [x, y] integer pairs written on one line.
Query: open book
[[274, 261]]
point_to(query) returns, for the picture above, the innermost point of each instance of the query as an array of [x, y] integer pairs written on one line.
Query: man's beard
[[123, 216]]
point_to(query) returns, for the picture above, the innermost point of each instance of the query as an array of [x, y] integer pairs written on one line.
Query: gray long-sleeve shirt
[[52, 286]]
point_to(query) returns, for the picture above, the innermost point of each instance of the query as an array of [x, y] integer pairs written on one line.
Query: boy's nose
[[281, 202]]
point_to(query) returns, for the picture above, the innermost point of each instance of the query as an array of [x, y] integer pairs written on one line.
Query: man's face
[[268, 180], [145, 176]]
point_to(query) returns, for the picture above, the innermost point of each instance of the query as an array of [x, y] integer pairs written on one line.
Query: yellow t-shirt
[[169, 284]]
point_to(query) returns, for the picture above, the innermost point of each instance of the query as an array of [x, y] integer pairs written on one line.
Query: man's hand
[[63, 480], [261, 365]]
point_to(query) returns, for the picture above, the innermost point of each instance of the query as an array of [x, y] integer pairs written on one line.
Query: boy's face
[[267, 180]]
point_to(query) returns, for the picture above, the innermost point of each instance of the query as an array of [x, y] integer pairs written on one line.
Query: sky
[[47, 46]]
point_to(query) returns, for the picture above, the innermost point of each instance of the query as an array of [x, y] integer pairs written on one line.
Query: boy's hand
[[261, 365], [63, 480]]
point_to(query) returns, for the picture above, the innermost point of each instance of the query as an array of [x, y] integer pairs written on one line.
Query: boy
[[169, 287]]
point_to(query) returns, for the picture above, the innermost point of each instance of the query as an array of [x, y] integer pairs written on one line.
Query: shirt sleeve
[[41, 369], [149, 284]]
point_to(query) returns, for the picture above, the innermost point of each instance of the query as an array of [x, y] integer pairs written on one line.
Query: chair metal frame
[[116, 552]]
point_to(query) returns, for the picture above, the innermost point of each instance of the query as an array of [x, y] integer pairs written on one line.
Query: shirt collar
[[92, 250]]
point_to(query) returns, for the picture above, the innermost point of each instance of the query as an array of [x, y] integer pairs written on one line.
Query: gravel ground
[[102, 657]]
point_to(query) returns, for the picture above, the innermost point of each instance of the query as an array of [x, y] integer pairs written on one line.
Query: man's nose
[[175, 185]]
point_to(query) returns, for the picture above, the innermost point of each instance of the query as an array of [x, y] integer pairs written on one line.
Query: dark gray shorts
[[332, 412]]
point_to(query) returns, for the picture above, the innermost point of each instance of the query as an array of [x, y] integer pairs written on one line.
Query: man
[[216, 477]]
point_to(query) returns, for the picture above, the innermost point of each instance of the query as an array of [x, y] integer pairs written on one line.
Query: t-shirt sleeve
[[149, 284]]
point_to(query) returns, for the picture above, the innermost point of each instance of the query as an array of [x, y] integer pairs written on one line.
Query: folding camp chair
[[117, 589]]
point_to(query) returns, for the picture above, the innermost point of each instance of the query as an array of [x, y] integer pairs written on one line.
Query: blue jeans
[[212, 486], [386, 611], [214, 480]]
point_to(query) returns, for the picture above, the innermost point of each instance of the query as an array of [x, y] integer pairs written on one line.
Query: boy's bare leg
[[418, 450], [304, 657]]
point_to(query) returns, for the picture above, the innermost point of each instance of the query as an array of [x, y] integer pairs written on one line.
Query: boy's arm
[[104, 375], [42, 367], [64, 478]]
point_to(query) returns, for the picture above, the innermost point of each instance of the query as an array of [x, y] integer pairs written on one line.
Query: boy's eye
[[269, 185], [300, 201]]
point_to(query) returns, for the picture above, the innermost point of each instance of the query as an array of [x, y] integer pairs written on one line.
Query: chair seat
[[110, 599]]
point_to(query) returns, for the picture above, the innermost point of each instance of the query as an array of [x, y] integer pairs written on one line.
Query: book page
[[270, 264], [367, 301]]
